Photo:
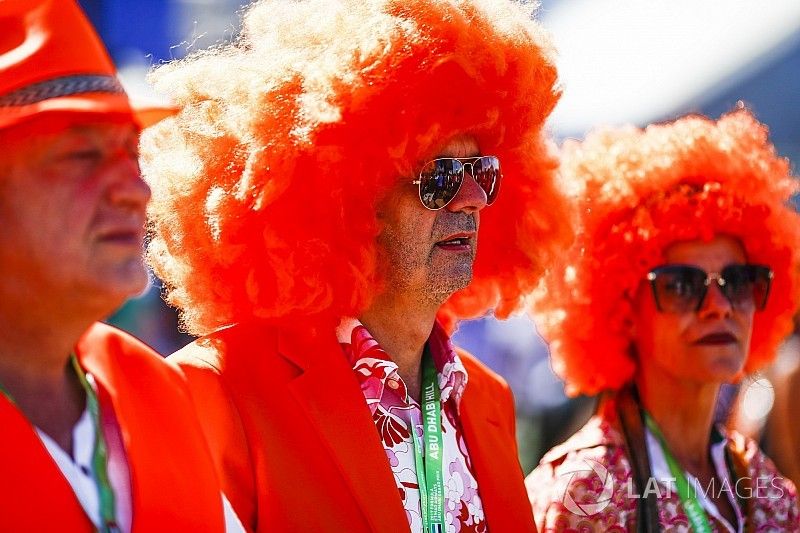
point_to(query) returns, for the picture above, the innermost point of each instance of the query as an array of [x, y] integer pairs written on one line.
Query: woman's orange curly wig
[[265, 185], [640, 191]]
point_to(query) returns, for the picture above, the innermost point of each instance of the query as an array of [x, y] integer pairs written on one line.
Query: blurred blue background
[[620, 61]]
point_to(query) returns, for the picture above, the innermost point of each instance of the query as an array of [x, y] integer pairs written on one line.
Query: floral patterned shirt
[[586, 484], [397, 417]]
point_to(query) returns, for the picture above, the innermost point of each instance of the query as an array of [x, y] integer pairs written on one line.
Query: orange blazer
[[296, 447], [173, 482]]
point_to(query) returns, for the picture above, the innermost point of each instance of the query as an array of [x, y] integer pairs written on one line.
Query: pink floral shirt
[[397, 416], [586, 485]]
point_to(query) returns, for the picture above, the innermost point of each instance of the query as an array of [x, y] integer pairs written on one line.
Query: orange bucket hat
[[52, 60]]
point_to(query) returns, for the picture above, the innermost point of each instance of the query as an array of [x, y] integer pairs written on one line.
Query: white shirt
[[79, 472], [660, 471]]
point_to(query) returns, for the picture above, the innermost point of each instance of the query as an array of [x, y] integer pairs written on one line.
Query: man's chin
[[123, 283], [718, 366], [444, 285]]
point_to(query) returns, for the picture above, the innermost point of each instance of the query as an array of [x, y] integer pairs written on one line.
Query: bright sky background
[[640, 60]]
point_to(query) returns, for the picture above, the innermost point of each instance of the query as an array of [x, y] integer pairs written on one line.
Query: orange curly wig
[[640, 191], [265, 184]]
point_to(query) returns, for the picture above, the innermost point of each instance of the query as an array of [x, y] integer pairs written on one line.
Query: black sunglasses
[[440, 180], [682, 288]]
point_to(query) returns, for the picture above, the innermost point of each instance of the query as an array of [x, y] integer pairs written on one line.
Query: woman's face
[[709, 345]]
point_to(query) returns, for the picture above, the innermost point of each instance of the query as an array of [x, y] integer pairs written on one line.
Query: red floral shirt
[[397, 415], [586, 485]]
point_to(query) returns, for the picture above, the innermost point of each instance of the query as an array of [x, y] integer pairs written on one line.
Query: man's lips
[[457, 241], [721, 337], [124, 235]]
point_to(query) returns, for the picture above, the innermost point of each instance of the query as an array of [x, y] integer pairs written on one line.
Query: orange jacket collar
[[493, 451]]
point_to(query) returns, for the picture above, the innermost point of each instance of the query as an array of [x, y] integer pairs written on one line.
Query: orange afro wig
[[640, 191], [265, 185]]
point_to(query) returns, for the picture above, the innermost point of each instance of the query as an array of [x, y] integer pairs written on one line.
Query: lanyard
[[694, 511], [429, 467], [99, 455]]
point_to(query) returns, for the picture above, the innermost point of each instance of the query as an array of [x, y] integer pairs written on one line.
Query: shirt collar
[[660, 471], [658, 461], [366, 355]]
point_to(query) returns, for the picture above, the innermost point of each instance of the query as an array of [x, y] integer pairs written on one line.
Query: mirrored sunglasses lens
[[487, 174], [440, 181], [679, 288]]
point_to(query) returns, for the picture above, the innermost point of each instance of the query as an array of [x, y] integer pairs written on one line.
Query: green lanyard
[[429, 467], [694, 511], [99, 455]]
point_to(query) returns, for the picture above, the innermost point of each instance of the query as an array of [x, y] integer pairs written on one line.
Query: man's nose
[[715, 304], [127, 186], [470, 197]]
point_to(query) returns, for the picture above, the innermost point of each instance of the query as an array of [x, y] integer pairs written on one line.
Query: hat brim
[[143, 114], [150, 111]]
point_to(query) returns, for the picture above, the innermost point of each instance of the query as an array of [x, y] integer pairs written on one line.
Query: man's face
[[430, 253], [705, 346], [72, 214]]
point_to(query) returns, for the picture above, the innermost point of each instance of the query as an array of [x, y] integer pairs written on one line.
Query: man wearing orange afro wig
[[684, 277], [317, 205], [97, 432]]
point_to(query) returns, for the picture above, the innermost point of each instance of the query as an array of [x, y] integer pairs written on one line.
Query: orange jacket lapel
[[493, 452], [171, 474], [34, 494], [329, 393]]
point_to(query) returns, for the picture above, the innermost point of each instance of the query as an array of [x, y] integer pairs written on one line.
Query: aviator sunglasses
[[440, 180], [682, 288]]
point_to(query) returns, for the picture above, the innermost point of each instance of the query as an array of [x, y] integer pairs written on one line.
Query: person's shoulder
[[108, 344], [747, 451], [478, 373], [583, 480], [128, 363], [767, 483], [591, 452], [207, 352], [226, 349], [241, 359], [106, 335], [598, 441]]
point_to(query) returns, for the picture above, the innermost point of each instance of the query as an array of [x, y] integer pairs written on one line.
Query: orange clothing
[[297, 449], [173, 483]]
